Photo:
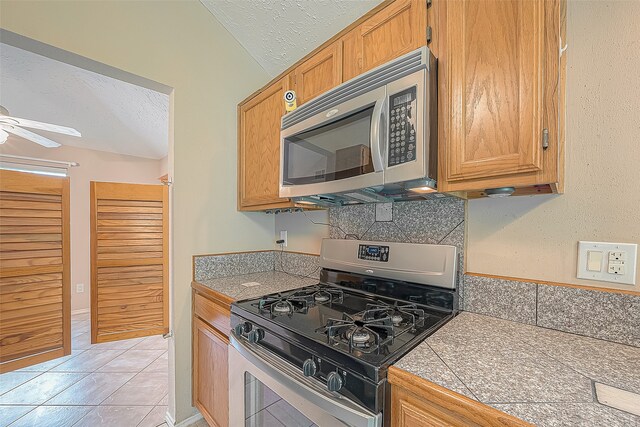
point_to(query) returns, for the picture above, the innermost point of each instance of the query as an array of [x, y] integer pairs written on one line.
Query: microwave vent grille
[[380, 76]]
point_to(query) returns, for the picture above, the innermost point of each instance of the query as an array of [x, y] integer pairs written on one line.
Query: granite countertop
[[268, 282], [542, 376]]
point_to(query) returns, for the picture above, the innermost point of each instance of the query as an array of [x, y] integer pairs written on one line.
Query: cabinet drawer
[[217, 316]]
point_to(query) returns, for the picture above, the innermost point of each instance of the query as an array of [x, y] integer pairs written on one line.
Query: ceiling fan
[[14, 125]]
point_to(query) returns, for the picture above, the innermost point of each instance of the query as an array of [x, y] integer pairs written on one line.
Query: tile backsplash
[[221, 265], [434, 221], [207, 267], [594, 313]]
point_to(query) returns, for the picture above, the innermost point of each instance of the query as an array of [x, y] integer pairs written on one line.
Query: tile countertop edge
[[450, 359], [447, 398]]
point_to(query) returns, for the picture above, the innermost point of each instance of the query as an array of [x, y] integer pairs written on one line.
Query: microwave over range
[[371, 139]]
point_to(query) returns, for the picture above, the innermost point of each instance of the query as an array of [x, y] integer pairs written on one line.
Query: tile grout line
[[43, 403], [84, 376], [453, 372]]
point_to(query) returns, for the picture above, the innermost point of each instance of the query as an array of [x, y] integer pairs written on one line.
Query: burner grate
[[298, 301], [320, 294], [371, 329]]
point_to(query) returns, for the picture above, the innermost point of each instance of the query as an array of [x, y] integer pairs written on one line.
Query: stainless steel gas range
[[322, 352]]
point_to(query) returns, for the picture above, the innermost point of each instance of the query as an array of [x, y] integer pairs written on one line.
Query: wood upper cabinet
[[318, 74], [395, 30], [259, 148], [500, 93], [417, 402], [499, 89]]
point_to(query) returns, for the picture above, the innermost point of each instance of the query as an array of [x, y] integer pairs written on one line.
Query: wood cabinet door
[[259, 146], [35, 268], [129, 261], [495, 64], [318, 74], [397, 29], [210, 374]]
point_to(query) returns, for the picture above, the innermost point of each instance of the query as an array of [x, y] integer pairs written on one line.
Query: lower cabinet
[[210, 379], [417, 402]]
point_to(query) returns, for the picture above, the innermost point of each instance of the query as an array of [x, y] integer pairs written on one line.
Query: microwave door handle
[[378, 122]]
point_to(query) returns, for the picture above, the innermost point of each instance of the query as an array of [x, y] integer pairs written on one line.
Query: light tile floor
[[119, 384]]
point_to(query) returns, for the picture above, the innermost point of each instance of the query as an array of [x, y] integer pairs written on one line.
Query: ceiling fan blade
[[40, 125], [34, 137]]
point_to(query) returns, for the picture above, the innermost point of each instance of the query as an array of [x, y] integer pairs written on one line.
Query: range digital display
[[374, 253]]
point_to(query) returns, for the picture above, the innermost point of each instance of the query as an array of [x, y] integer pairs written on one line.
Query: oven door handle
[[284, 373], [378, 133]]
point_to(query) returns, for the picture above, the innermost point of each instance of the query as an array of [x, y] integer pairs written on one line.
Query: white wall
[[94, 166], [302, 234], [536, 237], [179, 44]]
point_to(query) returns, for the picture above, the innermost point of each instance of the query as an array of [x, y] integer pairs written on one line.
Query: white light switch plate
[[617, 262]]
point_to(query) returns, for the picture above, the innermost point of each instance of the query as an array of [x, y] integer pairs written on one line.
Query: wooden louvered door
[[129, 261], [35, 292]]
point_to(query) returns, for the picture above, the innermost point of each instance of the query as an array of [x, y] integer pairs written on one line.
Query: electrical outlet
[[616, 267], [79, 288], [384, 212], [617, 256], [283, 236], [608, 262]]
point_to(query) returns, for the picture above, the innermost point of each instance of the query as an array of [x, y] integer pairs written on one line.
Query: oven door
[[265, 390], [338, 149]]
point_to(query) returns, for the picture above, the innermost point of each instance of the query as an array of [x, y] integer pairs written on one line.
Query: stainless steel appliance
[[370, 139], [320, 354]]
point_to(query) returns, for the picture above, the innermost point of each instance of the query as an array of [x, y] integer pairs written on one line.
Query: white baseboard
[[189, 421], [80, 311]]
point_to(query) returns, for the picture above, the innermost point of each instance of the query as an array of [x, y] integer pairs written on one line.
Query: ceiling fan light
[[3, 136]]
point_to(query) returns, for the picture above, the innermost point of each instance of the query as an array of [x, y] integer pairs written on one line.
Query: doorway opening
[[84, 320]]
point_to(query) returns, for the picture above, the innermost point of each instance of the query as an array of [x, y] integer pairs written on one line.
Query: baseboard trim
[[80, 311], [185, 423]]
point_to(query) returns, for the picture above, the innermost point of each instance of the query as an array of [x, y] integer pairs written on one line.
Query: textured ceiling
[[277, 33], [112, 115]]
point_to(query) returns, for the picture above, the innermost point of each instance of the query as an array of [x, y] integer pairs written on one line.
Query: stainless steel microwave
[[373, 138]]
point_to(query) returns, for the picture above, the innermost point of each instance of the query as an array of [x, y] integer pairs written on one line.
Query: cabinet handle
[[545, 139], [429, 31]]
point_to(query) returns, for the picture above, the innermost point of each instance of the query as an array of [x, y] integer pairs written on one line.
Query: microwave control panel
[[374, 253], [402, 127]]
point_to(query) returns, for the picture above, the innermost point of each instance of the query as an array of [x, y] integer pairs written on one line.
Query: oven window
[[339, 150], [264, 408]]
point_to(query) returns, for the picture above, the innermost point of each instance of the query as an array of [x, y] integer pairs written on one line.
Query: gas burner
[[401, 314], [359, 333], [322, 296], [279, 304], [396, 319], [359, 336], [284, 307]]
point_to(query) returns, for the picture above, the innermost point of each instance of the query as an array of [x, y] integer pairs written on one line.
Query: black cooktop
[[374, 321]]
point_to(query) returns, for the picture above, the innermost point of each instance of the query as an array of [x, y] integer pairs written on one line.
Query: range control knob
[[242, 328], [334, 381], [255, 335], [309, 368]]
